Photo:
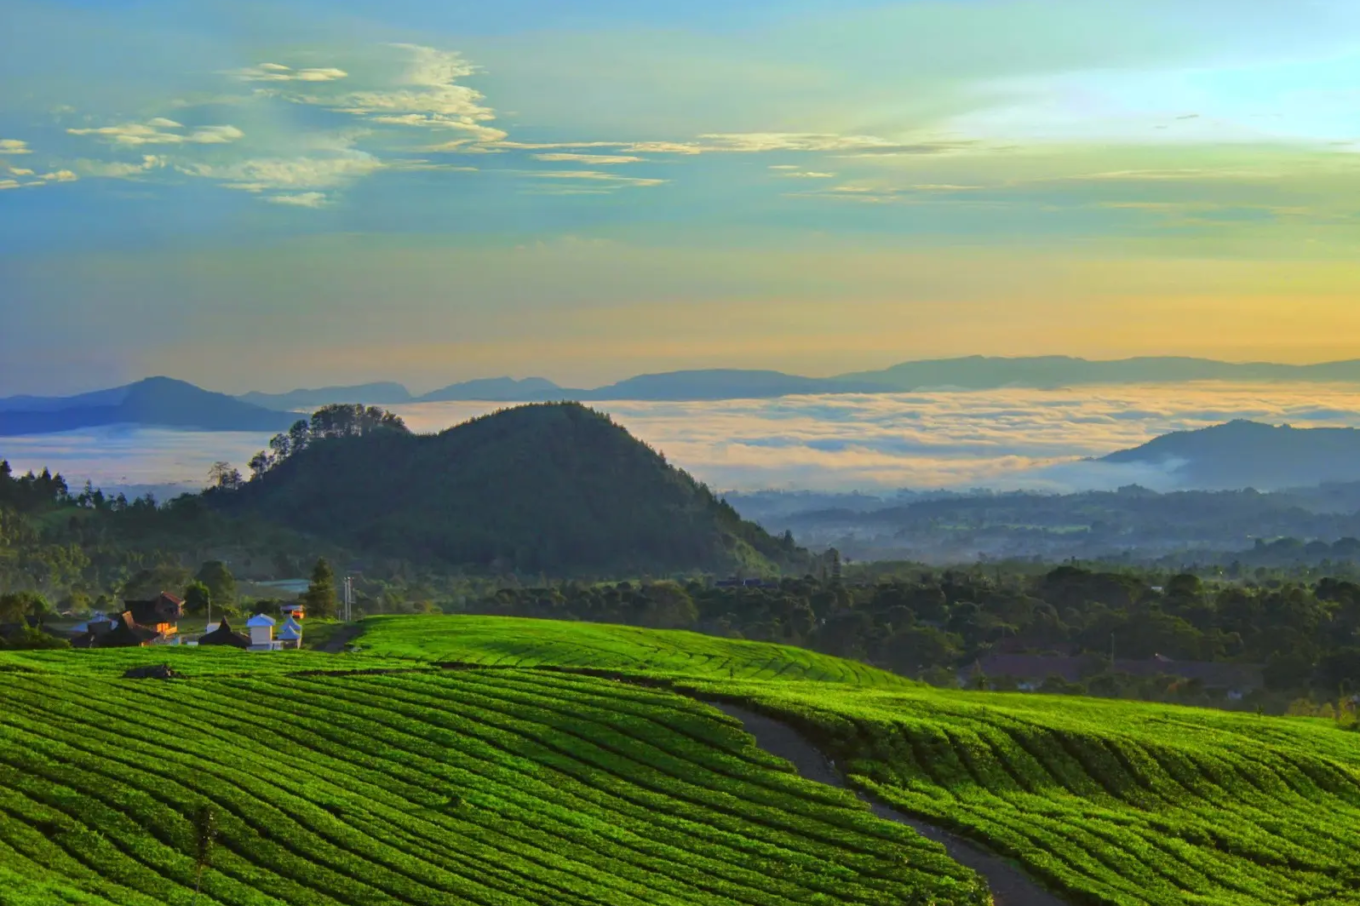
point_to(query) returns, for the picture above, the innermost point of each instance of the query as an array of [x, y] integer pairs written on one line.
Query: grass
[[520, 642], [1107, 802], [475, 787], [518, 785], [190, 661]]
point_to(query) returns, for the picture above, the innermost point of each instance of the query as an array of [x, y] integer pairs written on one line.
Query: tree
[[222, 475], [220, 582], [197, 598], [205, 838], [319, 599], [17, 605]]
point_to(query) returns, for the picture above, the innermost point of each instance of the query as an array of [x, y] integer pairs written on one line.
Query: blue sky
[[271, 194]]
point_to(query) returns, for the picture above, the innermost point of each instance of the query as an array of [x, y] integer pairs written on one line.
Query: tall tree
[[197, 598], [319, 599], [220, 582]]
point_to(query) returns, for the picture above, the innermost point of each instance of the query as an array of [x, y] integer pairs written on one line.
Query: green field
[[478, 787], [517, 642], [1109, 802], [502, 783]]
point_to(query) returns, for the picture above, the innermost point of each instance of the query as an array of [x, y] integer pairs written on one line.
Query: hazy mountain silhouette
[[502, 389], [381, 394], [966, 373], [1242, 454], [983, 372], [550, 486], [157, 401]]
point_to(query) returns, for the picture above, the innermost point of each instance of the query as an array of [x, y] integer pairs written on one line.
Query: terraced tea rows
[[478, 787], [516, 642], [1110, 802], [191, 661]]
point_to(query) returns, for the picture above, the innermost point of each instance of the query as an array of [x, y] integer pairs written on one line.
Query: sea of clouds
[[1003, 439]]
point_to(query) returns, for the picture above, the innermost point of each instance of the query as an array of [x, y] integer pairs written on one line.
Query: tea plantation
[[382, 777]]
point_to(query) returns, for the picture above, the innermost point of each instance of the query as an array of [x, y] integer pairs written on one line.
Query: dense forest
[[937, 625], [1316, 526], [553, 487]]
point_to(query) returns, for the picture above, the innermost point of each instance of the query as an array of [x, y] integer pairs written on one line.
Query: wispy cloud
[[426, 93], [597, 160], [161, 131], [300, 200], [277, 72], [14, 146], [609, 180]]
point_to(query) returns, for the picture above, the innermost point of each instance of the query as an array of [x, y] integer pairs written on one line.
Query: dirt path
[[1009, 885], [342, 637]]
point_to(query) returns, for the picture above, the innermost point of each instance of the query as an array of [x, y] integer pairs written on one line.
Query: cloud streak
[[161, 131]]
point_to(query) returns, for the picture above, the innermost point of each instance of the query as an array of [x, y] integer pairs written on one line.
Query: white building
[[261, 628], [290, 634]]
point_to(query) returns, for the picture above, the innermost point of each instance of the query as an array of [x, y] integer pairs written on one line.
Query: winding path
[[342, 637], [1009, 885]]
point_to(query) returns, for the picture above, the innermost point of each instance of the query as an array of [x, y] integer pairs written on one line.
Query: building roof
[[260, 619], [164, 608], [290, 630], [125, 634], [223, 635]]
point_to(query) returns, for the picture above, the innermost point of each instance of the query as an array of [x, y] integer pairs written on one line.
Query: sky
[[272, 195]]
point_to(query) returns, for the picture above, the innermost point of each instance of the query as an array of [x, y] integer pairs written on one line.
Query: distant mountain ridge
[[384, 393], [25, 414], [1247, 454], [157, 401], [964, 373]]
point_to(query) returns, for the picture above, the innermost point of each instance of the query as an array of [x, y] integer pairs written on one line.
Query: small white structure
[[261, 628], [290, 634]]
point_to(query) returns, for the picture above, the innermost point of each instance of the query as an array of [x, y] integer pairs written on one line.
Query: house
[[162, 613], [125, 633], [294, 610], [222, 634], [261, 628], [290, 634]]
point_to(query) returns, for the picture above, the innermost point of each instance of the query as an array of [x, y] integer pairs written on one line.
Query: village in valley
[[158, 622]]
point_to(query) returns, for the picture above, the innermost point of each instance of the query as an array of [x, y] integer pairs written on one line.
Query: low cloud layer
[[1005, 439]]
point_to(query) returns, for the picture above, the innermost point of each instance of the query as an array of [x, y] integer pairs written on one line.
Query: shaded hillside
[[157, 401], [549, 487], [1243, 454]]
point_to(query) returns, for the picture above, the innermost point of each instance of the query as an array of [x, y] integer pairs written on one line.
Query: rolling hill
[[157, 401], [521, 642], [502, 782], [549, 487], [1242, 454]]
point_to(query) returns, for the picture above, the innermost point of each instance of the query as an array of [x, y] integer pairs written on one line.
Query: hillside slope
[[548, 487], [1108, 802], [1241, 454], [493, 788], [519, 642]]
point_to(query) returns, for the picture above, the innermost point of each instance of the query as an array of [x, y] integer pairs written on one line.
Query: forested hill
[[552, 487], [1243, 454]]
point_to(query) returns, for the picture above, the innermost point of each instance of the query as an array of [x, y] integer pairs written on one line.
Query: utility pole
[[349, 598]]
